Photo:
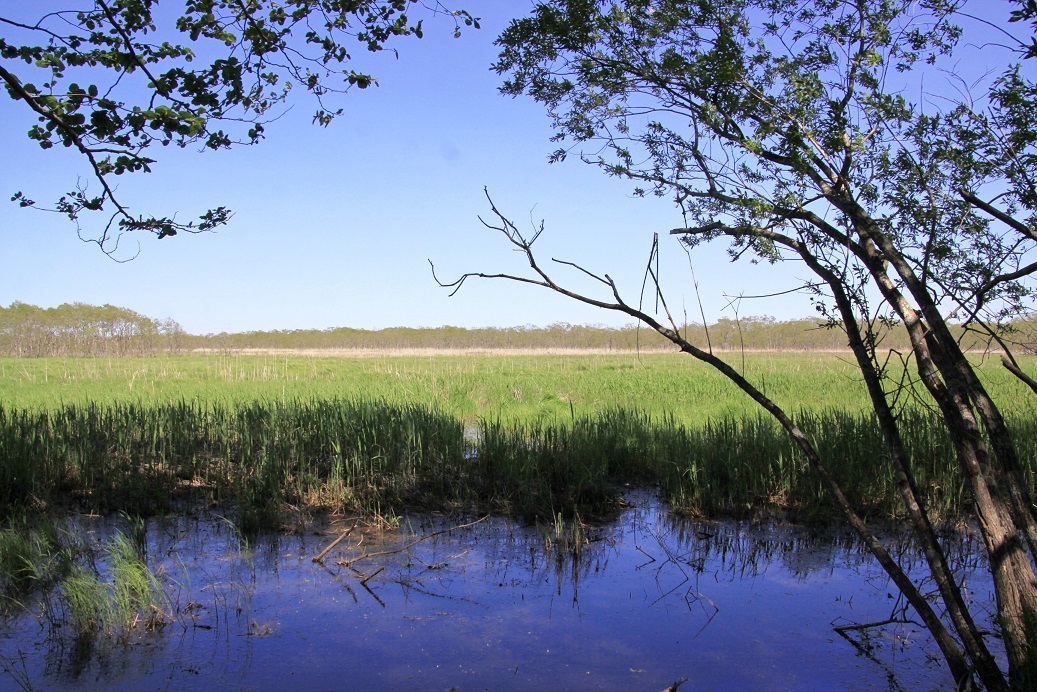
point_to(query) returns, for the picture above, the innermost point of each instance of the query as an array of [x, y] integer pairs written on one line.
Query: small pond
[[646, 601]]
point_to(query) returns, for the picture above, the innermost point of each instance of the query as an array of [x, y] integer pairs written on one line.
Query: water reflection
[[637, 604]]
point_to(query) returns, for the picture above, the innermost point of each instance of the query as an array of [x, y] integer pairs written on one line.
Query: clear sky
[[335, 227]]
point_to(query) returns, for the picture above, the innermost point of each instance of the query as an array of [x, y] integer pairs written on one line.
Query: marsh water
[[645, 601]]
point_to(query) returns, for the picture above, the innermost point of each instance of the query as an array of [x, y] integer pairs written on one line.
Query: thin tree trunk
[[1014, 580], [964, 625]]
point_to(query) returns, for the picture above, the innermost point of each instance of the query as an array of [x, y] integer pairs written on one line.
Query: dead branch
[[363, 582], [320, 556], [843, 629], [424, 537], [372, 575], [1017, 371]]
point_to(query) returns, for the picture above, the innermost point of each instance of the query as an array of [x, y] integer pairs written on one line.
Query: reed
[[565, 539], [129, 598], [530, 436]]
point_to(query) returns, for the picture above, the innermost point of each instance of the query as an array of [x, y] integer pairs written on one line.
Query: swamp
[[613, 521]]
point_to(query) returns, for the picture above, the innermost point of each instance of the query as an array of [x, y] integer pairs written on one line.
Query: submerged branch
[[320, 556], [423, 537]]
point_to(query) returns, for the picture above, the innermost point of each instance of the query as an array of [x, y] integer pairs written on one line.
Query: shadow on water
[[636, 604]]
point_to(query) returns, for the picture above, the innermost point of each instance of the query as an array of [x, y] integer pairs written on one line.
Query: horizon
[[337, 225], [527, 326]]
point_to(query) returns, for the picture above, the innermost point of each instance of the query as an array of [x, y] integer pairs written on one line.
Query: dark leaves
[[160, 91]]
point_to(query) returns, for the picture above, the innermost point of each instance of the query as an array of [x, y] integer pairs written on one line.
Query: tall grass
[[260, 460], [266, 435], [511, 388]]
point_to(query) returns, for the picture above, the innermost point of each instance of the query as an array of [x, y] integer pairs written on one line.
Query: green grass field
[[513, 388], [524, 434]]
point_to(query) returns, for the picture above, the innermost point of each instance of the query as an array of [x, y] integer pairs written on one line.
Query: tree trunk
[[941, 371], [970, 635]]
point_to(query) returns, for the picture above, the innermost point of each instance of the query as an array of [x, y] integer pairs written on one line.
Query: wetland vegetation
[[98, 454], [525, 435]]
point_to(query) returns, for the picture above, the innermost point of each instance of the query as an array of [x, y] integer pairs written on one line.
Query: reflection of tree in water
[[683, 574], [729, 551]]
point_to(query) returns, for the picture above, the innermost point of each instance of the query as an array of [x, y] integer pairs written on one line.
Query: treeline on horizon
[[78, 329]]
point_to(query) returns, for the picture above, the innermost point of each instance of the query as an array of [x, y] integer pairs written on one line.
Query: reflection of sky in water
[[650, 601]]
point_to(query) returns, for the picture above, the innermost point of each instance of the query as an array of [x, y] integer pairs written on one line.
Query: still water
[[648, 601]]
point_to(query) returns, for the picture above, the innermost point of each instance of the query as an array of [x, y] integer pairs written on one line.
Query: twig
[[372, 575], [320, 556], [642, 550], [349, 563], [842, 629], [373, 594]]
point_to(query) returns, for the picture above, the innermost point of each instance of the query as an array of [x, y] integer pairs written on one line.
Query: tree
[[116, 79], [845, 135]]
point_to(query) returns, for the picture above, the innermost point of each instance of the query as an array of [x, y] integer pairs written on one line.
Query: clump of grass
[[131, 598], [33, 555], [86, 599], [566, 539]]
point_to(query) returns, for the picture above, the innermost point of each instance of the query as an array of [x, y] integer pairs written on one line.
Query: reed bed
[[255, 458], [530, 435], [263, 461], [510, 388]]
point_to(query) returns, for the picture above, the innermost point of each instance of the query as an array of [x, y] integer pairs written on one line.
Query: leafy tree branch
[[121, 77], [812, 131]]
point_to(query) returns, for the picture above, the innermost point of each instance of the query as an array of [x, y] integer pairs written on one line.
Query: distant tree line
[[78, 329], [752, 332]]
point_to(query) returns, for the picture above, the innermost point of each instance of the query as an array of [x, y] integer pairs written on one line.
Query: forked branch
[[957, 661]]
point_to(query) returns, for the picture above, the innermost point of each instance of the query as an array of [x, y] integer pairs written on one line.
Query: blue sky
[[335, 227]]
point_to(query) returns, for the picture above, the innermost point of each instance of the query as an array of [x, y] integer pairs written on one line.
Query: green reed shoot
[[129, 598]]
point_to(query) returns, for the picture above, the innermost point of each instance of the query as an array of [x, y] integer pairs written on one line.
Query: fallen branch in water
[[364, 578], [320, 556], [349, 563], [369, 577], [843, 629]]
